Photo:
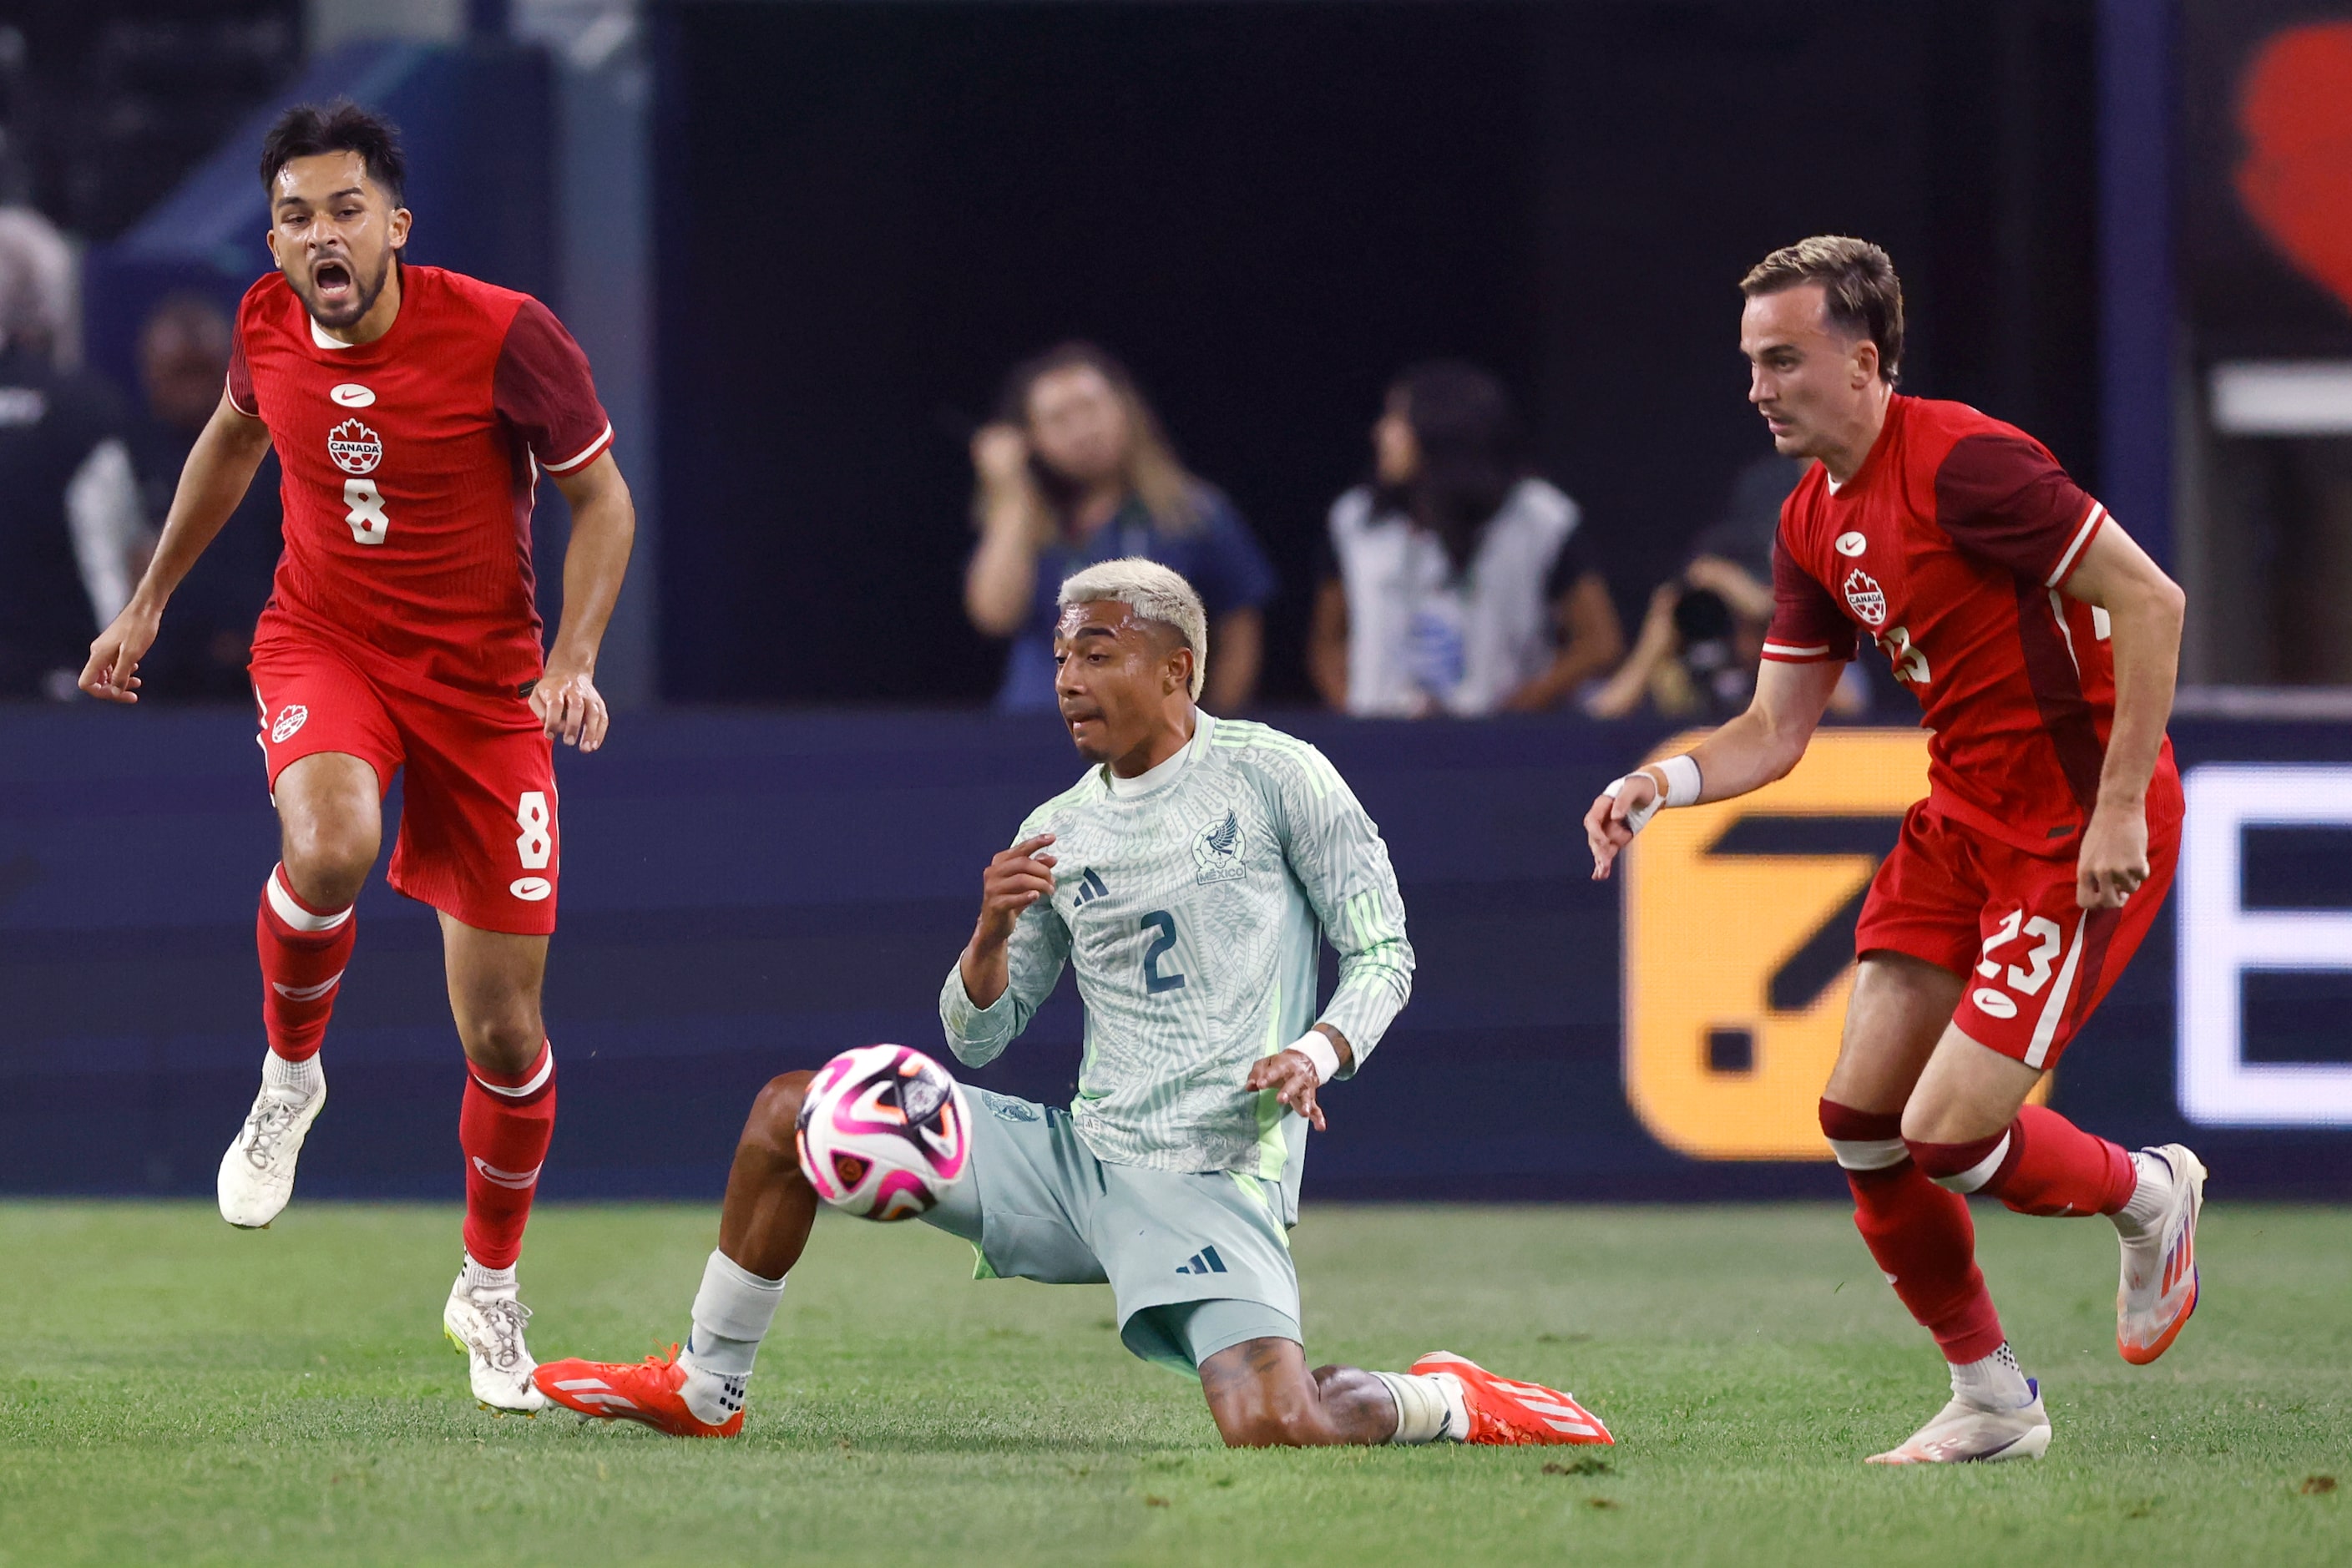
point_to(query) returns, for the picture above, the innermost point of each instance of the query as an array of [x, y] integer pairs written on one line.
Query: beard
[[365, 293]]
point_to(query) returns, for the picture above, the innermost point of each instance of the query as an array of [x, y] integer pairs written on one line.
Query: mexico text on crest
[[1217, 850]]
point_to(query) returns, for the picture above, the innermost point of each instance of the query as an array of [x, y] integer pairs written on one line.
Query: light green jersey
[[1191, 908]]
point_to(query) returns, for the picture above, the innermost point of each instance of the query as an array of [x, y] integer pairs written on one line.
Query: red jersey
[[1947, 547], [410, 464]]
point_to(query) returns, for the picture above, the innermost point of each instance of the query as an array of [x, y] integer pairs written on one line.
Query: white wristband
[[1681, 789], [1681, 780], [1316, 1047]]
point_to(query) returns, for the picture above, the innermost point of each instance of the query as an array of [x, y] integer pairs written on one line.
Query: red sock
[[1919, 1234], [303, 952], [2044, 1165], [504, 1128]]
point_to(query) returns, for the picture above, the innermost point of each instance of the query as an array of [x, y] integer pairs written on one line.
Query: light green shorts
[[1196, 1260]]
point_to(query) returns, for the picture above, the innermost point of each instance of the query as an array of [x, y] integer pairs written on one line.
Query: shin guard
[[1919, 1235], [303, 952], [504, 1129], [2042, 1164]]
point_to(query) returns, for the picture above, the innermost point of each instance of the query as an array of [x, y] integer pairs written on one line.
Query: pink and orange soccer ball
[[884, 1132]]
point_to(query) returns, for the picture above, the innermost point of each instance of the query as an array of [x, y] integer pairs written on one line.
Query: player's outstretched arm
[[604, 529], [2143, 609], [1752, 751], [220, 468]]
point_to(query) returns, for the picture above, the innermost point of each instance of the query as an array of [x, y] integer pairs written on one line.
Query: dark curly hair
[[307, 129]]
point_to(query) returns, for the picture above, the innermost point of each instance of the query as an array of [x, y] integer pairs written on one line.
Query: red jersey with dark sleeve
[[1948, 548], [410, 464]]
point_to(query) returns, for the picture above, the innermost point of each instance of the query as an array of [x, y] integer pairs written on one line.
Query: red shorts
[[478, 839], [2036, 963]]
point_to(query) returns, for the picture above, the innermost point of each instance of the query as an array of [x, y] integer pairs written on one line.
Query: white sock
[[712, 1396], [1428, 1407], [2149, 1197], [1996, 1383], [304, 1077], [497, 1281], [733, 1312]]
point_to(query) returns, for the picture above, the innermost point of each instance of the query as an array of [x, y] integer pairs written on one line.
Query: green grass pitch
[[173, 1391]]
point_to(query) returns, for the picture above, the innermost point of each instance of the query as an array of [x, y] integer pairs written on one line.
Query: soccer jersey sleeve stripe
[[598, 444], [1783, 651], [2081, 537], [228, 384]]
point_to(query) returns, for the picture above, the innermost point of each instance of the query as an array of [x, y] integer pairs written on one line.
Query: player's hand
[[569, 706], [1000, 455], [1605, 828], [2113, 860], [1016, 879], [112, 672], [1292, 1077]]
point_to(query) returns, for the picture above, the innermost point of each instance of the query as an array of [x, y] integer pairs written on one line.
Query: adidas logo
[[1205, 1261], [585, 1390], [1090, 886]]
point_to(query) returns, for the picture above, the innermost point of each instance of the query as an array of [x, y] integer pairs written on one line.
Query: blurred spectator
[[1075, 471], [207, 636], [1456, 581], [1699, 645], [1694, 657], [70, 531]]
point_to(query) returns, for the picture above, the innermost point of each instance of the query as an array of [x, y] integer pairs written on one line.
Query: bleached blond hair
[[1155, 594]]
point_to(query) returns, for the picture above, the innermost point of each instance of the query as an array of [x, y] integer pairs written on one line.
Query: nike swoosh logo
[[352, 394], [518, 1180], [307, 992]]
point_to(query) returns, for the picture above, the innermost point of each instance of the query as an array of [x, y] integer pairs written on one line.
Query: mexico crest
[[1217, 850]]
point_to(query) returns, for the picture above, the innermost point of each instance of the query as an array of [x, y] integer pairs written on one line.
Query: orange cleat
[[1504, 1412], [649, 1391]]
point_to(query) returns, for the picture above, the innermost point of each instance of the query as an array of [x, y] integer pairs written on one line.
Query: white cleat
[[2159, 1278], [489, 1328], [1964, 1434], [256, 1175]]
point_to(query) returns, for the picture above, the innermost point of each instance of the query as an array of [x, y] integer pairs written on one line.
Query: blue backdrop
[[748, 893]]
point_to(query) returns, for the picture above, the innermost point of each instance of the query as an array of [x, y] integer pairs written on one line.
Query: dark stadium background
[[1567, 193], [802, 241]]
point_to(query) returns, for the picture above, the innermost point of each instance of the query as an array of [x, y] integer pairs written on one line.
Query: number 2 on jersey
[[1154, 981], [369, 525]]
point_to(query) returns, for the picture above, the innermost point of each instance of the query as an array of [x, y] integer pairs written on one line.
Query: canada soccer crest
[[1869, 602], [294, 716], [356, 449]]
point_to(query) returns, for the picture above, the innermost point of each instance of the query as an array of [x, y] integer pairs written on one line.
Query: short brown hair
[[1860, 293]]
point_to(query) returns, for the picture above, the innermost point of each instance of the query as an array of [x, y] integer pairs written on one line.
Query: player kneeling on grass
[[1187, 877], [2042, 643]]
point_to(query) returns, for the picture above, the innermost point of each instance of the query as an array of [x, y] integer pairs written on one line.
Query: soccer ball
[[884, 1133]]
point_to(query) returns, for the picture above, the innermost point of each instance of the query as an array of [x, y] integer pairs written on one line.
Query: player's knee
[[776, 1114], [504, 1040], [328, 856], [1266, 1426], [1930, 1119]]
